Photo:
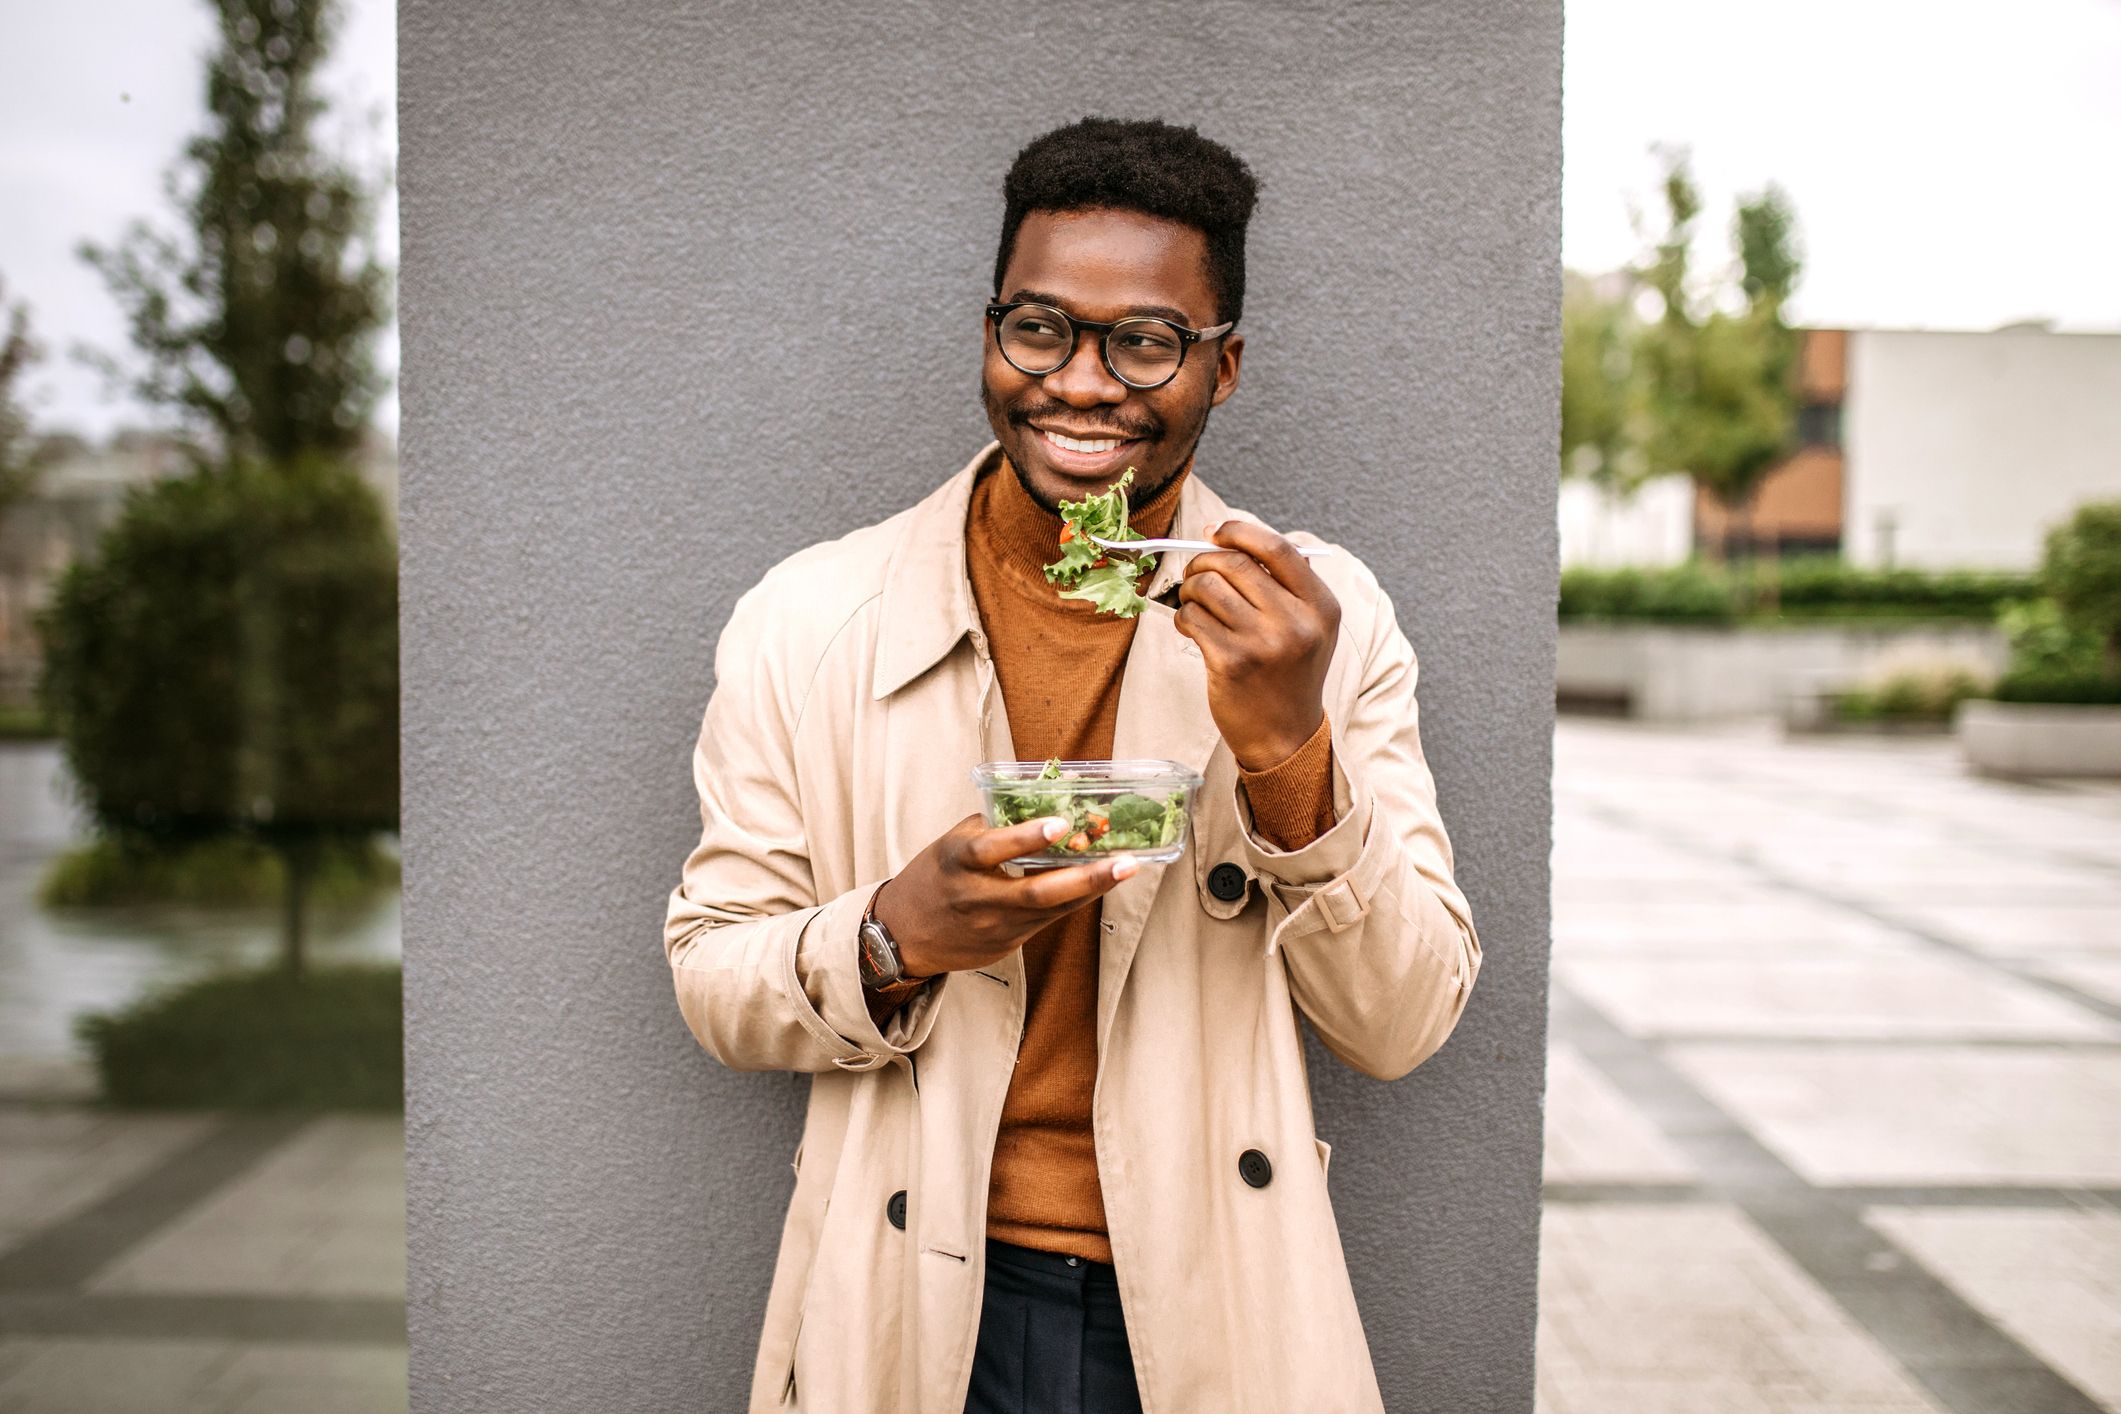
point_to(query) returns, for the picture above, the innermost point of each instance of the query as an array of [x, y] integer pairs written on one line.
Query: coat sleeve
[[766, 971], [1375, 933]]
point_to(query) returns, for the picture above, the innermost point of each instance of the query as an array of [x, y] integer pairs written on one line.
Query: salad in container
[[1138, 809]]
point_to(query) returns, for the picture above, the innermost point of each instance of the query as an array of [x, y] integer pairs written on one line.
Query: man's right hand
[[952, 909]]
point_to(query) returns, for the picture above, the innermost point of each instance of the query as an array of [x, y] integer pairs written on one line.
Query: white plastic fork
[[1309, 552]]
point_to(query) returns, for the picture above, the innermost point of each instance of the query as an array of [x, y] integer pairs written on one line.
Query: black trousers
[[1052, 1339]]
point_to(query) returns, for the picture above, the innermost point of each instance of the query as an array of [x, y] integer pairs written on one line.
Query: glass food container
[[1139, 809]]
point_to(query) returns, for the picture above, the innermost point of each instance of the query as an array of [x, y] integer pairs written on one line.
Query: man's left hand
[[1265, 623]]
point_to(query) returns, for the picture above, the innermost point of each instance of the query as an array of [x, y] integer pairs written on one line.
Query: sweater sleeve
[[1292, 800]]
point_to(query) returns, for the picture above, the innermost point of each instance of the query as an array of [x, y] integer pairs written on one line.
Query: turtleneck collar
[[1026, 536]]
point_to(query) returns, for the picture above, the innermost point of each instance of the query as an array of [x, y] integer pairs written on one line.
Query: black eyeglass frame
[[1187, 338]]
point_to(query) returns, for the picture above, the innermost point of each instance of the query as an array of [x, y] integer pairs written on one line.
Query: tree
[[2082, 573], [1597, 339], [258, 326], [228, 662], [1716, 393], [22, 457]]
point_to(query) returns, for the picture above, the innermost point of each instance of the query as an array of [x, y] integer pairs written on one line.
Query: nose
[[1084, 381]]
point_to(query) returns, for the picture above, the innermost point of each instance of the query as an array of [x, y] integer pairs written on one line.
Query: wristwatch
[[882, 965]]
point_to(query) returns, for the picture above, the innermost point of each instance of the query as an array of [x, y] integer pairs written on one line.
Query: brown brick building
[[1799, 507]]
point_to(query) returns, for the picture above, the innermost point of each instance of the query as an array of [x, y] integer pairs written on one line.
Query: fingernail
[[1125, 868], [1210, 529], [1054, 826]]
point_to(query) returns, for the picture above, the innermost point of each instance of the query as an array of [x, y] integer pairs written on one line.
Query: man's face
[[1106, 265]]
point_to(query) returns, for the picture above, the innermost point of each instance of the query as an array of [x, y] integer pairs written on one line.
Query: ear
[[1229, 354]]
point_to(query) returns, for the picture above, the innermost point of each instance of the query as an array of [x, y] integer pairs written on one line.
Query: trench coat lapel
[[1163, 713], [1163, 700]]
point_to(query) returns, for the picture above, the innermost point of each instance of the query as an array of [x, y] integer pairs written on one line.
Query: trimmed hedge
[[258, 1041], [2033, 685], [228, 872], [1806, 587]]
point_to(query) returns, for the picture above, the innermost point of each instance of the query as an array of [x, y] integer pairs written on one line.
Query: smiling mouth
[[1084, 455]]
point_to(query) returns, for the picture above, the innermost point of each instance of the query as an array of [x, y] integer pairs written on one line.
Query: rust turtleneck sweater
[[1058, 663]]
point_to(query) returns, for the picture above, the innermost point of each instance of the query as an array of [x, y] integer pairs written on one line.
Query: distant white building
[[1941, 450], [1963, 449]]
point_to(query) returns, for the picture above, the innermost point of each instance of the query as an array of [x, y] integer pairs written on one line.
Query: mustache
[[1024, 413]]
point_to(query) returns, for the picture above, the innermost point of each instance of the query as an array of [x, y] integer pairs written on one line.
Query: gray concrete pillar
[[688, 287]]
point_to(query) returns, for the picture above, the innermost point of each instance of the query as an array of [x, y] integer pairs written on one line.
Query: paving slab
[[2051, 1278], [1923, 1114], [321, 1216]]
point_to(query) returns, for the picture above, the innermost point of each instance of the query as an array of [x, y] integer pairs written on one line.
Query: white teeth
[[1102, 444]]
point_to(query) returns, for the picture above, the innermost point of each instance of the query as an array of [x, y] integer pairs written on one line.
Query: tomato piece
[[1098, 825], [1078, 841], [1067, 531], [1099, 563]]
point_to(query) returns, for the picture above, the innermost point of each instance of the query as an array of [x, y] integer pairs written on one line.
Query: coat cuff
[[1292, 800], [826, 982], [1321, 860]]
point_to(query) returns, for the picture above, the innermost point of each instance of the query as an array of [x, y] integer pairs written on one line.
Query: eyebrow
[[1158, 311]]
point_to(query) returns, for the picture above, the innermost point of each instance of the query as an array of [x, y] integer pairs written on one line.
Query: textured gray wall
[[688, 287]]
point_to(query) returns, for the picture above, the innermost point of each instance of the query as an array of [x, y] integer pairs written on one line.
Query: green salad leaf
[[1110, 583], [1096, 824]]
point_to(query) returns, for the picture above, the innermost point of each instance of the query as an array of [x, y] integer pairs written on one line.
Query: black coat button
[[896, 1210], [1253, 1168], [1227, 882]]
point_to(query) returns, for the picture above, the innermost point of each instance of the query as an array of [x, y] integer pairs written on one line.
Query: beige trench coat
[[854, 693]]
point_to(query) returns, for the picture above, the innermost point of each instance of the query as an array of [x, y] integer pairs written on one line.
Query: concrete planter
[[2040, 738], [1681, 673]]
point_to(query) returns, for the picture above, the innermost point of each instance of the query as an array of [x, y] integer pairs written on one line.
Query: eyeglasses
[[1142, 352]]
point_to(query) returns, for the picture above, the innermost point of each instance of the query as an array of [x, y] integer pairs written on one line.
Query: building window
[[1819, 424]]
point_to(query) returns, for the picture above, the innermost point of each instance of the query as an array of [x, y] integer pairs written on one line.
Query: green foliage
[[1822, 584], [1713, 389], [258, 325], [24, 724], [1928, 693], [1109, 585], [226, 662], [258, 1041], [1597, 341], [230, 871], [1688, 593], [2046, 685], [1806, 588], [21, 457], [2045, 645], [2082, 572]]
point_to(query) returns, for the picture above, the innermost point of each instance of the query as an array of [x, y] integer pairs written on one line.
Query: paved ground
[[1831, 1126], [1834, 1102]]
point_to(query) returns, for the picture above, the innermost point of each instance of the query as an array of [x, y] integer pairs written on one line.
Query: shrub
[[226, 662], [1805, 587], [1914, 690], [1688, 593], [223, 872], [24, 724], [1818, 585], [258, 1040], [2038, 685], [2082, 573]]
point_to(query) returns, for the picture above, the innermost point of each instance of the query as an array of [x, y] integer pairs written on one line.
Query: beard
[[1011, 423]]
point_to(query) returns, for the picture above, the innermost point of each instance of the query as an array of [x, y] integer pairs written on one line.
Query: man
[[1059, 1152]]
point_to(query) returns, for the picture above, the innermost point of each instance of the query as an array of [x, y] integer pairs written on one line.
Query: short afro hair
[[1157, 169]]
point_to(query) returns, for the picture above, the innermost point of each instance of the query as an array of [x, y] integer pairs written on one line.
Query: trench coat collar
[[927, 596]]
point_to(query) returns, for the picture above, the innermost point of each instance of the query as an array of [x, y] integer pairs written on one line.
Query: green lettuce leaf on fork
[[1113, 587]]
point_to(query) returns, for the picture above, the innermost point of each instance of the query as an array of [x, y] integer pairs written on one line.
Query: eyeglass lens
[[1143, 352]]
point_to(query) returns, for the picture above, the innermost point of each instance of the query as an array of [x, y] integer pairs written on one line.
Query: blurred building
[[1933, 449], [79, 494]]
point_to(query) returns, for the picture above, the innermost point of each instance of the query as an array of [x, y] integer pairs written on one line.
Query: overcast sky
[[1951, 161]]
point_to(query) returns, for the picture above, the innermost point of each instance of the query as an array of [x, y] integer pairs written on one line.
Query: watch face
[[879, 954]]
